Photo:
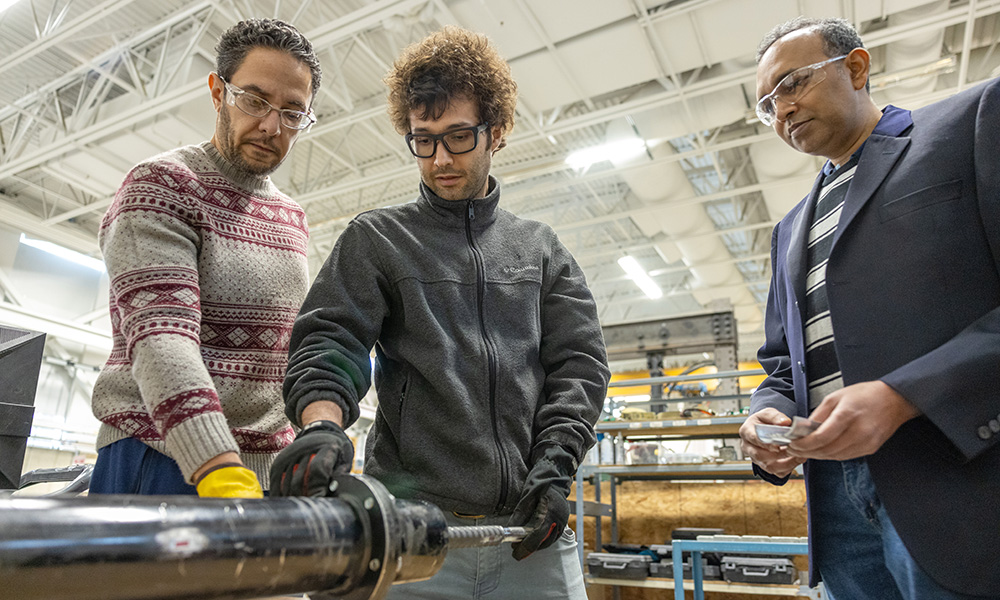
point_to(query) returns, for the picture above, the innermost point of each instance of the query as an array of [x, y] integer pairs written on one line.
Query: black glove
[[307, 466], [543, 506]]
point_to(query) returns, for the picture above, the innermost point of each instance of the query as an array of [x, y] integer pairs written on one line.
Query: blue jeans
[[857, 551], [492, 573], [130, 467]]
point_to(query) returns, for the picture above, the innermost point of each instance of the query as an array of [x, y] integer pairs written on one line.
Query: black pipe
[[166, 547]]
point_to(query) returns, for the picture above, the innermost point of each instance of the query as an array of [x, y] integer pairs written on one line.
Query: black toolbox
[[757, 569], [618, 566], [665, 569], [692, 533]]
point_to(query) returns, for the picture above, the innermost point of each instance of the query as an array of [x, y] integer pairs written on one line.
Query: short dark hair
[[452, 63], [838, 35], [240, 39]]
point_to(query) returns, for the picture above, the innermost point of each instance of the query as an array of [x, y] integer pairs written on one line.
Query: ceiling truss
[[93, 86]]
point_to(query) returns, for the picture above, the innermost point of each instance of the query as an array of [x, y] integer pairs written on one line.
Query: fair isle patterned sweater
[[207, 270]]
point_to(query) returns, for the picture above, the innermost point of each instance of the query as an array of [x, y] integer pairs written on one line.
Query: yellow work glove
[[229, 481]]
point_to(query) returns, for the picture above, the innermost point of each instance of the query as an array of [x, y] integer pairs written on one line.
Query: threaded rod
[[477, 536]]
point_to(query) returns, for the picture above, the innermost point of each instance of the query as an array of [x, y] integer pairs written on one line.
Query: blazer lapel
[[881, 153], [797, 241]]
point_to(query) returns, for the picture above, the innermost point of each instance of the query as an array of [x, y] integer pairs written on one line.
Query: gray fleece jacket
[[487, 347]]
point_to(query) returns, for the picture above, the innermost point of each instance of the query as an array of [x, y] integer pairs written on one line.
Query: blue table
[[727, 544]]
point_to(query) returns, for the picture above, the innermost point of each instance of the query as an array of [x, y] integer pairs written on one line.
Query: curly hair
[[240, 39], [452, 63]]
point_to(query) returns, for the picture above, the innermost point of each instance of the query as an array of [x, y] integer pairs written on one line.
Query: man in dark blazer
[[883, 324]]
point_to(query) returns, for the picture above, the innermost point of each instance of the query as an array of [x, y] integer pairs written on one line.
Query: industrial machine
[[354, 544], [20, 361]]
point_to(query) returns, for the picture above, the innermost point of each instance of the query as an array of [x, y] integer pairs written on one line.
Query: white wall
[[50, 286]]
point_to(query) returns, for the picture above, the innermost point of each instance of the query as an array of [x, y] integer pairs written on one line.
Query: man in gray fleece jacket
[[490, 363]]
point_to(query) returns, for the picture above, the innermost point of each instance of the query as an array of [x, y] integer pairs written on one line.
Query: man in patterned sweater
[[207, 267]]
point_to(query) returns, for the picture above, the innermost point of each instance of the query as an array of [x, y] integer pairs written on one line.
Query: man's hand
[[772, 458], [545, 516], [306, 467], [543, 507], [857, 420], [229, 480]]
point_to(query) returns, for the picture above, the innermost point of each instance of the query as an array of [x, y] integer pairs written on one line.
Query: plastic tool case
[[756, 569], [618, 566], [665, 569]]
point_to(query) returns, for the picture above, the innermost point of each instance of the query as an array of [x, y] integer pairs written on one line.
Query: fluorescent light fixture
[[642, 279], [619, 150], [64, 253]]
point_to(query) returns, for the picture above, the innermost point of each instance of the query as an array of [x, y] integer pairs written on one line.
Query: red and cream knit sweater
[[207, 270]]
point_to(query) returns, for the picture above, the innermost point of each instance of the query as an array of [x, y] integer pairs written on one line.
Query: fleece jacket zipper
[[490, 350]]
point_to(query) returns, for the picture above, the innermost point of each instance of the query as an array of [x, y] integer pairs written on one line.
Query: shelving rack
[[704, 428], [709, 586], [720, 427], [713, 544]]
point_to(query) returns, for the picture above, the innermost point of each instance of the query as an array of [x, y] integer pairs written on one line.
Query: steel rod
[[478, 536]]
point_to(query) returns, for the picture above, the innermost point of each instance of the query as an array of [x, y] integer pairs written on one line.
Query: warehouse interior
[[635, 137]]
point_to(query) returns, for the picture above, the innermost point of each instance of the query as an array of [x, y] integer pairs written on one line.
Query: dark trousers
[[130, 467]]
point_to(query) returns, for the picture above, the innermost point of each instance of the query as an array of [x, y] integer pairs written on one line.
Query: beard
[[476, 174], [229, 149]]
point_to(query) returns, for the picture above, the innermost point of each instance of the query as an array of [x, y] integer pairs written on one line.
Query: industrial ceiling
[[90, 87]]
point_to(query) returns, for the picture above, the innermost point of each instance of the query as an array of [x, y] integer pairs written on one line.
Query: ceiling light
[[64, 253], [642, 279], [619, 150]]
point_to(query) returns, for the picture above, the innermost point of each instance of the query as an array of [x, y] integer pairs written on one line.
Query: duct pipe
[[354, 546], [774, 160], [658, 184], [916, 50]]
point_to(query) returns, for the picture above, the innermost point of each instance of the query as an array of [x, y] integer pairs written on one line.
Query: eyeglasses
[[791, 89], [456, 141], [255, 106]]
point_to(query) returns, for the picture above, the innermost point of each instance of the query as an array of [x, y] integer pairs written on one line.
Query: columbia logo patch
[[516, 270]]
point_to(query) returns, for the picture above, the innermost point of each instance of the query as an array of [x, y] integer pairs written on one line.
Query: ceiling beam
[[553, 52], [66, 235], [360, 20], [32, 320], [40, 94], [87, 20], [105, 128], [667, 203]]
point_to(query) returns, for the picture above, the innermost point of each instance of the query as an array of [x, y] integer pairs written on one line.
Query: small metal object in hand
[[779, 434]]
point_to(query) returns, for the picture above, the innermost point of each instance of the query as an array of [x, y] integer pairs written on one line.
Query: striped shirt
[[822, 366]]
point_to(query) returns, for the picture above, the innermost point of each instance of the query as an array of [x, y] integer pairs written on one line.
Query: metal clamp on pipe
[[354, 546], [405, 540]]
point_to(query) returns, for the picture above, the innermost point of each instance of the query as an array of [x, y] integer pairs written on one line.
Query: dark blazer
[[914, 287]]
